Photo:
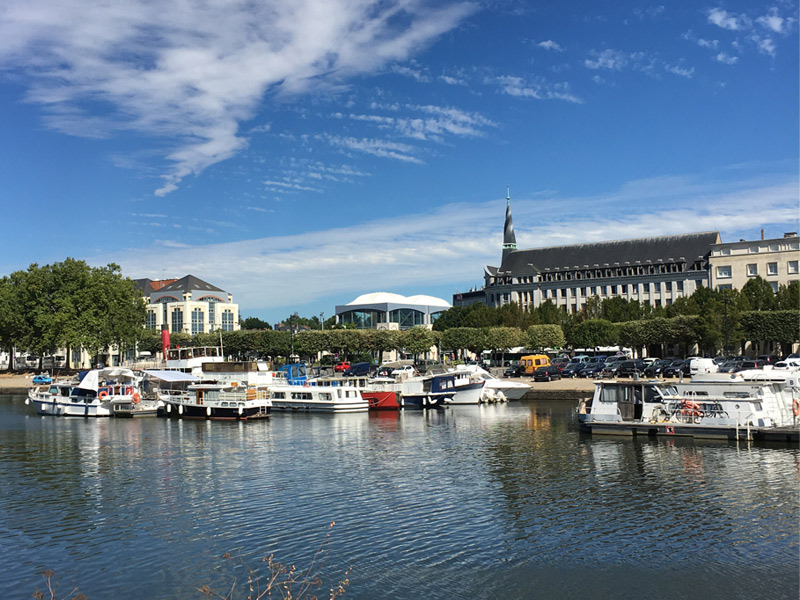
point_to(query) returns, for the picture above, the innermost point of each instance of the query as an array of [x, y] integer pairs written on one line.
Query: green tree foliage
[[417, 340], [591, 333], [254, 323], [782, 326], [788, 297], [619, 310], [759, 294], [547, 313], [544, 336], [458, 339], [70, 304]]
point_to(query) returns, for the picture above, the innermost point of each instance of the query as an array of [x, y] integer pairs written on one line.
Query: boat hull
[[470, 393], [383, 400], [177, 410], [693, 430]]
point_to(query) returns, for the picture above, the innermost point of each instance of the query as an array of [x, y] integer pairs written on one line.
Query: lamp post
[[725, 302], [322, 321]]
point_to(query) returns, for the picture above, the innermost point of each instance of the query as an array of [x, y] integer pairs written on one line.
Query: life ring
[[796, 407], [136, 398], [103, 394]]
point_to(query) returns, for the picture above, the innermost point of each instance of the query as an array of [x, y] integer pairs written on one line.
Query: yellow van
[[528, 364]]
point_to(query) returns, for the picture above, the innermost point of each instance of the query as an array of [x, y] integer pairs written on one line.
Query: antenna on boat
[[221, 349]]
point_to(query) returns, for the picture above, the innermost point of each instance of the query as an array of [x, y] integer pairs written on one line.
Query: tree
[[595, 332], [417, 340], [759, 294], [540, 337], [458, 339], [782, 326], [547, 313], [254, 323], [788, 297]]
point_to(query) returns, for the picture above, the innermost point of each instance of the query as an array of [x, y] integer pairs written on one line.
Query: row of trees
[[69, 305]]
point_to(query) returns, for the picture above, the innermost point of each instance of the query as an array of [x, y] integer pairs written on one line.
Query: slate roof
[[688, 248], [148, 286], [190, 283]]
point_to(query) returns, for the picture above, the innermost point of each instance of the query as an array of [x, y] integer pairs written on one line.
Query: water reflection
[[474, 501]]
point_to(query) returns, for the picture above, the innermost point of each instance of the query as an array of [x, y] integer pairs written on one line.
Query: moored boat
[[317, 398], [657, 408], [219, 402]]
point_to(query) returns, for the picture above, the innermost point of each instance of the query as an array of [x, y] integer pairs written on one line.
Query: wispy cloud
[[415, 250], [375, 147], [613, 60], [190, 75], [538, 89]]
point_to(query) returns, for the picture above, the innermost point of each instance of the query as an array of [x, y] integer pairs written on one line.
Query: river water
[[504, 501]]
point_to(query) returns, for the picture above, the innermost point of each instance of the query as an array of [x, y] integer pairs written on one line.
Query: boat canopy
[[171, 376]]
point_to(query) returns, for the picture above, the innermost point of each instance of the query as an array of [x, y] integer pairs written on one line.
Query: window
[[772, 268], [564, 292], [753, 249], [150, 323], [594, 287], [752, 270], [724, 272], [774, 248], [227, 320], [613, 289], [774, 285], [791, 267], [680, 286], [725, 252], [197, 321], [726, 286], [177, 320], [624, 289]]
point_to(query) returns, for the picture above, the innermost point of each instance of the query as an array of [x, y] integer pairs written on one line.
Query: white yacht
[[496, 387], [96, 395], [317, 398]]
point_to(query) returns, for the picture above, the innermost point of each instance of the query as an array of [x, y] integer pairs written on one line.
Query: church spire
[[509, 239]]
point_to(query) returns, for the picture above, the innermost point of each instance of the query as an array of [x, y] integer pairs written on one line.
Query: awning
[[171, 376]]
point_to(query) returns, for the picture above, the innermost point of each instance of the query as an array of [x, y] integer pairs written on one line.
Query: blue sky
[[301, 153]]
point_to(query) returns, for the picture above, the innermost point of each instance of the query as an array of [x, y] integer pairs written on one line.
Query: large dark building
[[656, 270]]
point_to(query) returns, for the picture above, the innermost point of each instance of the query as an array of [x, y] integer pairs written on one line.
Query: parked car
[[546, 373], [788, 364], [42, 379], [629, 368], [769, 359], [699, 366], [676, 368], [747, 365], [656, 369], [610, 369], [572, 369], [341, 367], [361, 369], [592, 369]]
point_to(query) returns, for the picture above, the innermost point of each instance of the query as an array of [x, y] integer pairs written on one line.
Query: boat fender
[[27, 401], [180, 410], [103, 394], [169, 408], [796, 407], [208, 411], [240, 411], [136, 398]]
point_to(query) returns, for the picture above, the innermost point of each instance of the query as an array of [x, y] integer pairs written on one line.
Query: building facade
[[188, 305], [733, 264], [656, 270], [382, 310]]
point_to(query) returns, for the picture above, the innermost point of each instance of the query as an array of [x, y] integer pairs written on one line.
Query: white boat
[[656, 408], [191, 359], [96, 395], [46, 399], [317, 398], [496, 388], [469, 387], [219, 402]]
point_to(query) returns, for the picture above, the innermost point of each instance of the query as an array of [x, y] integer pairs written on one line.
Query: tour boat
[[657, 408]]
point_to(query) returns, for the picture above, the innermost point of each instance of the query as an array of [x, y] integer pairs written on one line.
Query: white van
[[699, 366]]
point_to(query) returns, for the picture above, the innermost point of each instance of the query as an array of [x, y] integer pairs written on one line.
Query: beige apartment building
[[733, 264]]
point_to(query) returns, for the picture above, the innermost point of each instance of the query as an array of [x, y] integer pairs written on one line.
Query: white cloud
[[722, 18], [764, 45], [375, 147], [726, 58], [550, 45], [191, 74], [452, 80], [416, 250], [538, 89], [680, 71], [613, 60], [772, 21], [707, 43], [416, 74]]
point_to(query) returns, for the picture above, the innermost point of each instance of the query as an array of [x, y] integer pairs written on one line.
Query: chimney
[[789, 234], [762, 234]]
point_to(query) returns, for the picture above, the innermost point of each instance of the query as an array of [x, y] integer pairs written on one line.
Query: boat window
[[350, 394], [736, 394], [223, 404], [651, 395], [279, 395], [756, 406], [241, 404], [325, 396]]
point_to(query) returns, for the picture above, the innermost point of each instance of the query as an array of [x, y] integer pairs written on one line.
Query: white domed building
[[384, 310]]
